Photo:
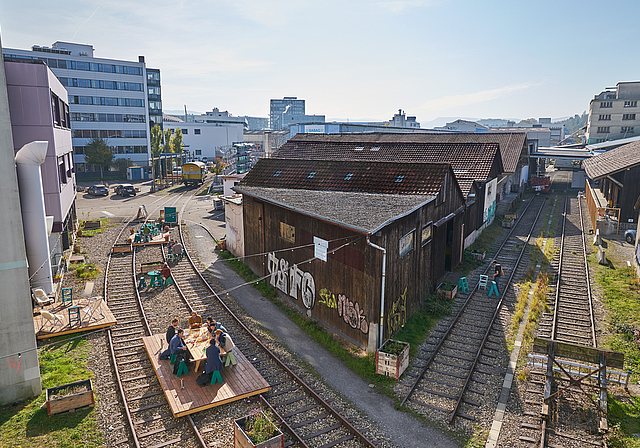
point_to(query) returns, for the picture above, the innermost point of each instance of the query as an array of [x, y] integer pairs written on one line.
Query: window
[[198, 152], [196, 131], [603, 129], [630, 104], [277, 173], [604, 117], [406, 244], [606, 104], [628, 116], [359, 148], [287, 232], [348, 176], [627, 129], [399, 179], [55, 109], [311, 174], [185, 131], [426, 233]]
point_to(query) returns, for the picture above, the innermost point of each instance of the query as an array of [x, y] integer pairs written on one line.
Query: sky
[[356, 60]]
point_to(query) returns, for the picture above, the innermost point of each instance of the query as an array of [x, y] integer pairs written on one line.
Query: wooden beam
[[579, 352]]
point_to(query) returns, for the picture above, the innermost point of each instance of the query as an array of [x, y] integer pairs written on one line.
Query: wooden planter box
[[446, 293], [72, 401], [92, 224], [507, 224], [478, 256], [242, 440], [392, 365], [121, 248]]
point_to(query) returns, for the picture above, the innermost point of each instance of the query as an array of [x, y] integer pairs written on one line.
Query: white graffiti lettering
[[292, 279]]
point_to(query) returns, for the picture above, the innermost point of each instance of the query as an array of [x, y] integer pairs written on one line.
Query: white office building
[[118, 101], [204, 141]]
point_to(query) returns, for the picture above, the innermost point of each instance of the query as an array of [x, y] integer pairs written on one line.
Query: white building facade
[[204, 141], [614, 113], [108, 98]]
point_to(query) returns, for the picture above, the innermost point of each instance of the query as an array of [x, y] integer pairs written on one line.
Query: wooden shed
[[344, 240], [614, 187]]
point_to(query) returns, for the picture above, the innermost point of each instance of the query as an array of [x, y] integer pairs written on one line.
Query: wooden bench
[[121, 248], [153, 266]]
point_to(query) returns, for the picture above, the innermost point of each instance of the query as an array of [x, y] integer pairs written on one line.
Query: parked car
[[125, 190], [630, 236], [98, 190]]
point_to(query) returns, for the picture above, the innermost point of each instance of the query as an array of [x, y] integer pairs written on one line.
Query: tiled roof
[[363, 212], [613, 161], [511, 143], [465, 185], [471, 160], [336, 175]]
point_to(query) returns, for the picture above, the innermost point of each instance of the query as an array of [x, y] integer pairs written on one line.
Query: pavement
[[400, 427]]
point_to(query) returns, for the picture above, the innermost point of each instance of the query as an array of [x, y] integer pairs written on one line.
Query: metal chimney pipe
[[28, 161]]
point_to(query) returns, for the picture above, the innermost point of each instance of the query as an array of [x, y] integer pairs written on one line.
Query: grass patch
[[484, 243], [86, 270], [88, 233], [26, 425], [538, 305], [624, 419], [518, 315]]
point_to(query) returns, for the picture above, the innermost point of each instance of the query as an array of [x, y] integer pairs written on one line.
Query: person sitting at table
[[216, 325], [166, 271], [195, 321], [224, 341], [212, 366], [171, 332], [178, 348]]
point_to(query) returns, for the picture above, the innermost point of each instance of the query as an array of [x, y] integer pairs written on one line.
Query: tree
[[219, 166], [97, 152], [176, 141], [166, 148], [156, 140]]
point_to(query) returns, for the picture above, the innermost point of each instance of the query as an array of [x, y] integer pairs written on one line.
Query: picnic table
[[197, 341]]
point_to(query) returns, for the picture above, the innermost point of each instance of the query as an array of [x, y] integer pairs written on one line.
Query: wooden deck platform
[[93, 323], [240, 381]]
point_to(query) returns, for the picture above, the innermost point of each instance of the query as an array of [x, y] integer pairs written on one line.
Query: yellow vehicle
[[193, 173]]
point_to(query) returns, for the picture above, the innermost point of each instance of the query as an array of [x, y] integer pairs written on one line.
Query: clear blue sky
[[356, 59]]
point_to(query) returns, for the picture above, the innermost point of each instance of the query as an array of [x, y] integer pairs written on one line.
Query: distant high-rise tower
[[289, 105]]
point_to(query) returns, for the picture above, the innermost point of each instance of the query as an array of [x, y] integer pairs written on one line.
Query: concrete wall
[[19, 368]]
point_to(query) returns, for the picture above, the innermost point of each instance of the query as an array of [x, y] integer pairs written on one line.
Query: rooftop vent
[[277, 173], [399, 179], [348, 176], [311, 174], [375, 148], [460, 171], [359, 148]]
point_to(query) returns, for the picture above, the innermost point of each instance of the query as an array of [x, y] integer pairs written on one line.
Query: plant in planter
[[69, 397], [392, 358], [257, 430], [447, 290], [507, 221]]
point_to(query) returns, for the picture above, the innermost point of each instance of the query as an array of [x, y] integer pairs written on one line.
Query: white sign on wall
[[314, 129], [320, 247]]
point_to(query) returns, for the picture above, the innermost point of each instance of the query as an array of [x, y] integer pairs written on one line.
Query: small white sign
[[320, 248]]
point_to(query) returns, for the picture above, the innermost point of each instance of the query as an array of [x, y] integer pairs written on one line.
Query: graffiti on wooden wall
[[292, 280], [397, 313], [350, 312]]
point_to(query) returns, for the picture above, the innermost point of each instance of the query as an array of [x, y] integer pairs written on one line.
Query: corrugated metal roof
[[511, 144], [612, 161], [362, 212], [356, 176]]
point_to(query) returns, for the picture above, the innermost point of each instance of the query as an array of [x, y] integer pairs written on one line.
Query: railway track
[[573, 417], [307, 419], [464, 349], [148, 414]]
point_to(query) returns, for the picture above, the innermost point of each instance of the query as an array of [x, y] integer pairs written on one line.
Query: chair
[[67, 296], [463, 285], [172, 358], [41, 298], [95, 306], [142, 283], [137, 239], [74, 315], [483, 282], [182, 368], [216, 377], [168, 281], [493, 289], [53, 319], [156, 281]]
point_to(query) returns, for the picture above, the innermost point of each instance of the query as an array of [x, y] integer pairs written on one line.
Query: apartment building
[[116, 100], [614, 114]]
